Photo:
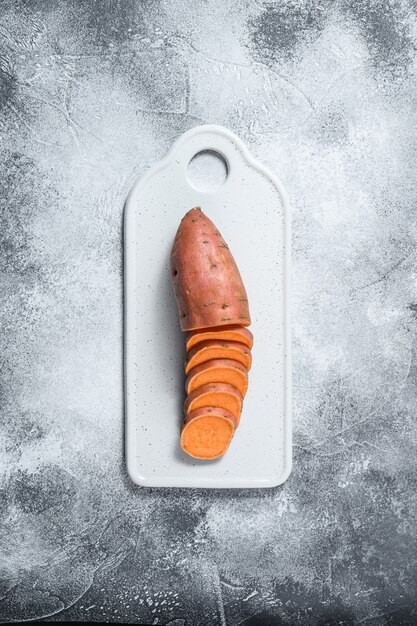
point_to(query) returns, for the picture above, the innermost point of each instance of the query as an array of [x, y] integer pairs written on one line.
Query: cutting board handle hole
[[207, 170]]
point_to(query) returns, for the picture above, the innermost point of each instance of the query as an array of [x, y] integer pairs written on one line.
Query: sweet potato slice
[[226, 333], [208, 287], [207, 433], [218, 371], [218, 395], [212, 349]]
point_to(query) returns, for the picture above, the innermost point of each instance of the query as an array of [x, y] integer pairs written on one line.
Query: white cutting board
[[252, 214]]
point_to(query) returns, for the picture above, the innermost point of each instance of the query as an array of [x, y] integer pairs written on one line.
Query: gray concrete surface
[[91, 93]]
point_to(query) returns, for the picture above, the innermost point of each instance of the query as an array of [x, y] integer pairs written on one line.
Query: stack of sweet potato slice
[[213, 310]]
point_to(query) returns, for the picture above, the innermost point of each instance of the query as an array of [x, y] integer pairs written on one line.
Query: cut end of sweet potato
[[207, 435]]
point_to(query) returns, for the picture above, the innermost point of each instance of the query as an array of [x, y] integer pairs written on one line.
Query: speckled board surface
[[325, 94]]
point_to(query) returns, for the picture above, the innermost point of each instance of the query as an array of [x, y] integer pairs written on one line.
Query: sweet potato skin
[[221, 333], [207, 283], [218, 371], [212, 349]]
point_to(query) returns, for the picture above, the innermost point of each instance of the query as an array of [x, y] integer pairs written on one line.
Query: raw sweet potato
[[208, 287], [225, 333], [207, 432], [218, 371], [212, 349], [213, 308], [217, 395]]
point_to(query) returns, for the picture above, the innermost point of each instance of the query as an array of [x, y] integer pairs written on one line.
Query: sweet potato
[[213, 308], [207, 432], [226, 333], [208, 287], [217, 395], [212, 349], [218, 371]]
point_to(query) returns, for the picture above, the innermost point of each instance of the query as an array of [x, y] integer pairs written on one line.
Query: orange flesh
[[217, 395], [213, 410], [208, 434], [231, 333], [211, 349], [218, 371]]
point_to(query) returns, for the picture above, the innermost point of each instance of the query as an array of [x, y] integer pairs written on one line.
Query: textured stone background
[[325, 93]]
